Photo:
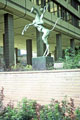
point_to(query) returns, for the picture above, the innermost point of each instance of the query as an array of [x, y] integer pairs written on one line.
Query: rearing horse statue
[[38, 23]]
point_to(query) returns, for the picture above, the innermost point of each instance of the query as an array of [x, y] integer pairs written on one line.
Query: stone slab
[[42, 63], [58, 65]]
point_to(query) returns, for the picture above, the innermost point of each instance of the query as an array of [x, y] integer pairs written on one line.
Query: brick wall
[[41, 86]]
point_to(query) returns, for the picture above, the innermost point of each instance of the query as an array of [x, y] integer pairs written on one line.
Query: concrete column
[[58, 46], [79, 9], [29, 51], [55, 54], [58, 11], [16, 54], [8, 40], [72, 44], [40, 44], [4, 47]]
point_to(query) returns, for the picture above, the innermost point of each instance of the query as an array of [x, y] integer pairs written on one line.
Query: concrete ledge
[[41, 71]]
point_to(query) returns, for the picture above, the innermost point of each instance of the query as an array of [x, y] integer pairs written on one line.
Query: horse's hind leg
[[44, 38], [47, 52]]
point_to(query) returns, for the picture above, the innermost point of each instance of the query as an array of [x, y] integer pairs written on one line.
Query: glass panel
[[59, 11], [39, 2], [46, 0], [69, 17], [34, 1], [55, 9], [79, 23], [51, 6]]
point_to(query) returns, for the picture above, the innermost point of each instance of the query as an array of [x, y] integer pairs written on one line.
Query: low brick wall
[[42, 85]]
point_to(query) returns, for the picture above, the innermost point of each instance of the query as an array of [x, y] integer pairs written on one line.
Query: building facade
[[14, 15]]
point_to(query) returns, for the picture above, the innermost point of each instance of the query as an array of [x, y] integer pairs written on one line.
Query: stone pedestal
[[72, 44], [58, 65], [42, 63]]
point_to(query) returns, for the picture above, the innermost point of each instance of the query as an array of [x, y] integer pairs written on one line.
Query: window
[[69, 17], [74, 3], [33, 1], [58, 11], [63, 13], [51, 7], [55, 9], [45, 2], [75, 21], [79, 23]]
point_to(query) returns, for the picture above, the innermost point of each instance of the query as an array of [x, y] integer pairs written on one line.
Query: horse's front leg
[[26, 27]]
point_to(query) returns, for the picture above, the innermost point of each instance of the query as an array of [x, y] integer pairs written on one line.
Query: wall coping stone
[[44, 71]]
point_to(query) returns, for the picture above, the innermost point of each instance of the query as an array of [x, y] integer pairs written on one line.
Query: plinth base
[[42, 63]]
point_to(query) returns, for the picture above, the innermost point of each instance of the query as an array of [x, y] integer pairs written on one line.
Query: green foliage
[[30, 110], [2, 108], [77, 112], [10, 114], [58, 111], [1, 98], [71, 60], [20, 67], [28, 67], [24, 111], [17, 67]]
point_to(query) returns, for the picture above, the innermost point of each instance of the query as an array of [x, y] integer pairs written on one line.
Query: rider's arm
[[44, 10]]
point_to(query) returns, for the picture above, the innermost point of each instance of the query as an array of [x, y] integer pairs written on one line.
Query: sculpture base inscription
[[42, 63]]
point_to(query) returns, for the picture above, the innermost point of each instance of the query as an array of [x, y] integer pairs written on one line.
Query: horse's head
[[32, 9]]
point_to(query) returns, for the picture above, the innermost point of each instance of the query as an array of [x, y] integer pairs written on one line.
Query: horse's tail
[[55, 23]]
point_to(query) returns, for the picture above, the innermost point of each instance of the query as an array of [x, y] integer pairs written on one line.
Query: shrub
[[71, 60], [24, 111], [28, 67], [30, 110], [2, 108], [17, 67], [58, 111], [20, 67], [1, 98], [77, 113]]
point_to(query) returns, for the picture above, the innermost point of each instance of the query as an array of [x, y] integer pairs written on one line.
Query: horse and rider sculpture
[[38, 23]]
